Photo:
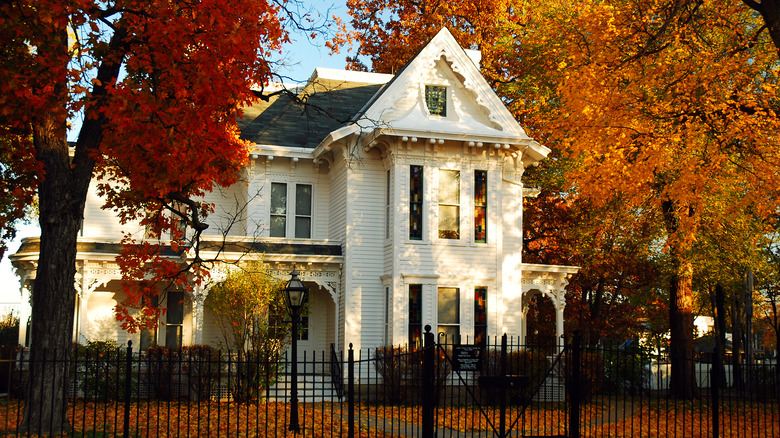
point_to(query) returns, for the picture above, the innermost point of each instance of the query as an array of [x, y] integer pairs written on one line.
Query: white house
[[397, 197]]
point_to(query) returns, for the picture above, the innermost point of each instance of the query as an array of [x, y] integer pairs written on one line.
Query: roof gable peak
[[466, 102]]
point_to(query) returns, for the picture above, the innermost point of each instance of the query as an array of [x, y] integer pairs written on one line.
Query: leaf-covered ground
[[605, 417]]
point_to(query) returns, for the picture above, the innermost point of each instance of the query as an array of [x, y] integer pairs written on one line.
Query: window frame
[[273, 214], [449, 325], [415, 312], [436, 98], [291, 215], [299, 216], [480, 206], [416, 199], [480, 315], [456, 232]]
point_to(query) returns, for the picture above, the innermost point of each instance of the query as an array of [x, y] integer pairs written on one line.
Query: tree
[[650, 131], [155, 81], [664, 105], [620, 267], [250, 310]]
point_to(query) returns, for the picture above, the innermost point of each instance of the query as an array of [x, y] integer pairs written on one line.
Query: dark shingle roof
[[329, 105]]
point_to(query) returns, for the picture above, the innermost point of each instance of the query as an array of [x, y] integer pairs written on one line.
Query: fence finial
[[427, 328]]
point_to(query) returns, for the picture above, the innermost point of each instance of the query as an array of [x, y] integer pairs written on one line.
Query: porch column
[[198, 298], [560, 304], [81, 317], [24, 310]]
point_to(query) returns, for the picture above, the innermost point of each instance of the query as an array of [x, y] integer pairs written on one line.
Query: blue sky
[[305, 54], [298, 61]]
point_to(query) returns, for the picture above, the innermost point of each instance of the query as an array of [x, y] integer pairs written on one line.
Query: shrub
[[626, 371], [9, 343], [532, 364], [401, 372], [161, 368], [252, 373], [591, 374], [201, 365], [9, 332], [102, 366]]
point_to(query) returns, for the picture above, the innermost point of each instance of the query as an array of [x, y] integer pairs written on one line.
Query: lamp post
[[295, 296]]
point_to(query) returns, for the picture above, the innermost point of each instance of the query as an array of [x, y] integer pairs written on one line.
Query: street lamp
[[295, 296]]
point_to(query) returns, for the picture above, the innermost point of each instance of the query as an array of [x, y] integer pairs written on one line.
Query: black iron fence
[[499, 389]]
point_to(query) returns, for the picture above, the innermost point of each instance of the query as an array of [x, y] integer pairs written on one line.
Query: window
[[415, 316], [174, 319], [387, 206], [448, 311], [174, 322], [303, 217], [480, 206], [480, 315], [436, 100], [303, 211], [180, 223], [449, 204], [415, 202], [278, 210], [149, 336]]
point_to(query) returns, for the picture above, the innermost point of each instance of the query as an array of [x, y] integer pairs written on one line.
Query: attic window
[[436, 100]]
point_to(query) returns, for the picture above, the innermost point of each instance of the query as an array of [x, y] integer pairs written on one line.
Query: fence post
[[351, 393], [575, 385], [429, 362], [502, 389], [128, 388], [715, 388]]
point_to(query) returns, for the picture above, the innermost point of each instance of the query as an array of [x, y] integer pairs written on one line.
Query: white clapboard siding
[[321, 208], [338, 201], [229, 216], [365, 251], [102, 223]]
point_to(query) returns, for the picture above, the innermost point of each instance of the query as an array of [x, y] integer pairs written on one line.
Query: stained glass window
[[480, 206], [415, 315], [480, 315], [415, 202], [436, 100]]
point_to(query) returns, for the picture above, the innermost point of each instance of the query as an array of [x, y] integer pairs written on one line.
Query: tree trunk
[[683, 377], [736, 341], [748, 300], [53, 294], [720, 324], [62, 194]]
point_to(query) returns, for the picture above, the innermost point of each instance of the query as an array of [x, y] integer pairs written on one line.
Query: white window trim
[[290, 215]]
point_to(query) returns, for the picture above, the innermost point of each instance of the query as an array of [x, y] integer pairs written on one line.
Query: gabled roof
[[339, 104], [331, 97], [475, 113]]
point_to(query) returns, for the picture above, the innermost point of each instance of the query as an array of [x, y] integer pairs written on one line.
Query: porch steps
[[311, 388], [553, 390]]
